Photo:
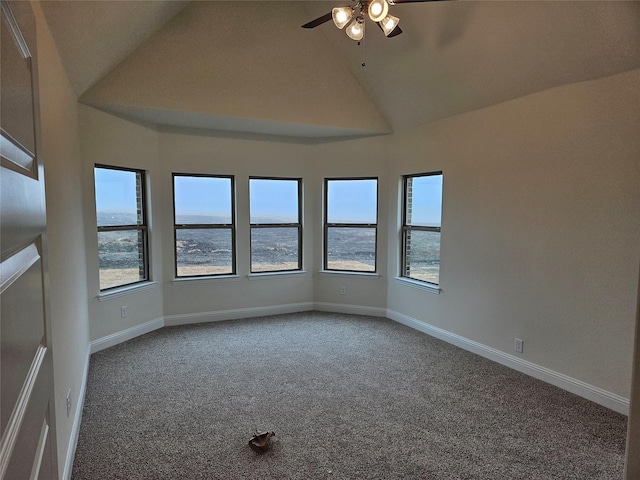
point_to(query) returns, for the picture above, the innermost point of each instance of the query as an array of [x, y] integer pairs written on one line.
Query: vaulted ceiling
[[247, 66]]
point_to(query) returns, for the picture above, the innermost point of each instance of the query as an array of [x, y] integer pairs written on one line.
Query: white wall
[[541, 238], [195, 300], [354, 158], [66, 241], [540, 231], [108, 140]]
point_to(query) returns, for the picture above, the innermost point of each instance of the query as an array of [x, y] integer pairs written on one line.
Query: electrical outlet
[[123, 312], [343, 289], [68, 403], [519, 346]]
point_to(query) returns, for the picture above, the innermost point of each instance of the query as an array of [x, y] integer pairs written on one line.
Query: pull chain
[[364, 56]]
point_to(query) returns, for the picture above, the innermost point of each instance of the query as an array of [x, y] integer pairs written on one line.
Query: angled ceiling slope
[[247, 66], [240, 66], [458, 56], [93, 37]]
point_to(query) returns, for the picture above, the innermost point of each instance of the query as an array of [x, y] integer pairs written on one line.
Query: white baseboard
[[582, 389], [124, 335], [77, 420], [578, 387], [352, 309], [221, 315]]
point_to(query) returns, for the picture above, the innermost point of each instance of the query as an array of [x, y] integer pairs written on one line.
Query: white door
[[27, 443]]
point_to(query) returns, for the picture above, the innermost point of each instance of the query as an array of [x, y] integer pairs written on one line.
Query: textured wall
[[540, 232], [108, 140], [67, 260]]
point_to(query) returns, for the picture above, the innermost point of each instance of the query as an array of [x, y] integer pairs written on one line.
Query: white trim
[[109, 294], [12, 428], [205, 278], [13, 267], [370, 275], [351, 309], [77, 420], [262, 275], [429, 287], [221, 315], [578, 387], [15, 31], [15, 153], [42, 442], [124, 335]]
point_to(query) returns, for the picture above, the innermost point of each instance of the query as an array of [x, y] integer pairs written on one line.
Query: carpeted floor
[[349, 397]]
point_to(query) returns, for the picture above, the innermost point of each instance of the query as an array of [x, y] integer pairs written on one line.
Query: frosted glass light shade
[[341, 16], [388, 24], [378, 9], [355, 30]]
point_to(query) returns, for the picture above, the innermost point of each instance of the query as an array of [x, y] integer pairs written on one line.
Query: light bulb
[[355, 30], [389, 24], [341, 16], [378, 9]]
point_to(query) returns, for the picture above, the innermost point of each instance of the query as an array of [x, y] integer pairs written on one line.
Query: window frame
[[141, 228], [297, 225], [328, 225], [406, 228], [204, 226]]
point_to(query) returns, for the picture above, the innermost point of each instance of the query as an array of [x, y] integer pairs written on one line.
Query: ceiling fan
[[353, 16]]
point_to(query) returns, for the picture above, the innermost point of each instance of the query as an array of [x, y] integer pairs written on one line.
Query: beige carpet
[[349, 397]]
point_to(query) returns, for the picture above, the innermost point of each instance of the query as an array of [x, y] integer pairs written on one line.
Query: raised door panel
[[27, 427], [22, 324], [16, 95]]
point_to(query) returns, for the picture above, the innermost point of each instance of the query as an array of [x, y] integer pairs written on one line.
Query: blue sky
[[349, 200], [115, 190], [352, 201], [427, 201], [203, 196], [275, 199]]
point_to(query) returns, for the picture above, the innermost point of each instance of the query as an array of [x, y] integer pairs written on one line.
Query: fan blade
[[318, 21], [395, 32]]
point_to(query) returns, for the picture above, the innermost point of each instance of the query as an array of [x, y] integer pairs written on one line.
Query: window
[[350, 232], [204, 221], [422, 215], [122, 226], [276, 229]]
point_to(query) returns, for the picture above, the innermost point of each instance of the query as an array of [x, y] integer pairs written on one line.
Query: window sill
[[347, 272], [217, 278], [261, 275], [419, 285], [126, 290]]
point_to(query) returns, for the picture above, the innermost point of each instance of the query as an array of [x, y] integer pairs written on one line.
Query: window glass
[[204, 225], [122, 229], [351, 249], [276, 228], [352, 201], [425, 201], [274, 249], [117, 201], [421, 227], [201, 200], [204, 251], [351, 210], [273, 200]]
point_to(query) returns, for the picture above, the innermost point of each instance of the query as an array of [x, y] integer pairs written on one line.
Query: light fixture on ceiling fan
[[353, 18]]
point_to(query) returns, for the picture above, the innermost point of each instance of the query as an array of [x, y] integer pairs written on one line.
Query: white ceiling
[[248, 67]]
